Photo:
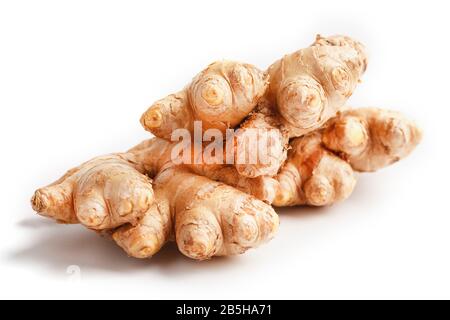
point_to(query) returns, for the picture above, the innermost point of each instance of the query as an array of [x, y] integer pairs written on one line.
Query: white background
[[75, 77]]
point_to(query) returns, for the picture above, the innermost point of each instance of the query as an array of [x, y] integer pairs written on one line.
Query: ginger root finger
[[312, 175], [309, 86], [150, 232], [370, 138], [220, 96], [56, 200], [102, 193], [212, 218], [272, 142]]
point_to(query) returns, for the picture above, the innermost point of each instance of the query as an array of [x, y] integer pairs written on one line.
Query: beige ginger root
[[319, 166], [208, 218], [371, 138], [310, 86], [307, 88], [312, 175], [111, 194], [143, 199], [221, 96], [102, 193]]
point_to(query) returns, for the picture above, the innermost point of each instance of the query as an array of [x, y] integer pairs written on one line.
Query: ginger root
[[304, 90], [206, 218], [371, 138], [143, 198], [220, 96], [307, 88], [102, 193], [319, 167], [112, 194], [313, 175]]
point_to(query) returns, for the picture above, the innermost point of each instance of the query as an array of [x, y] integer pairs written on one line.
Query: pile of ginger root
[[142, 198]]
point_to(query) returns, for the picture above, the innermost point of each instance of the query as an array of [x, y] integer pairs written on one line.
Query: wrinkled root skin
[[103, 193], [206, 218], [220, 96], [306, 89], [371, 138], [214, 219], [313, 175]]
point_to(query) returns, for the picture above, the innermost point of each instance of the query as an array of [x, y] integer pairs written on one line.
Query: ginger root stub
[[220, 96]]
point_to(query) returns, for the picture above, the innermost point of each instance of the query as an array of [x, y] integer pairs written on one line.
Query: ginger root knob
[[212, 94], [152, 119]]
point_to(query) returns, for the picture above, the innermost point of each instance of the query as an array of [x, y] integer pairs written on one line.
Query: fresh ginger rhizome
[[142, 198]]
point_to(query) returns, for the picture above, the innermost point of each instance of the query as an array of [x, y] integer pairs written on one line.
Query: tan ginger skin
[[317, 170], [102, 193], [220, 96], [370, 139], [306, 88], [111, 194], [143, 199], [320, 165], [209, 218]]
